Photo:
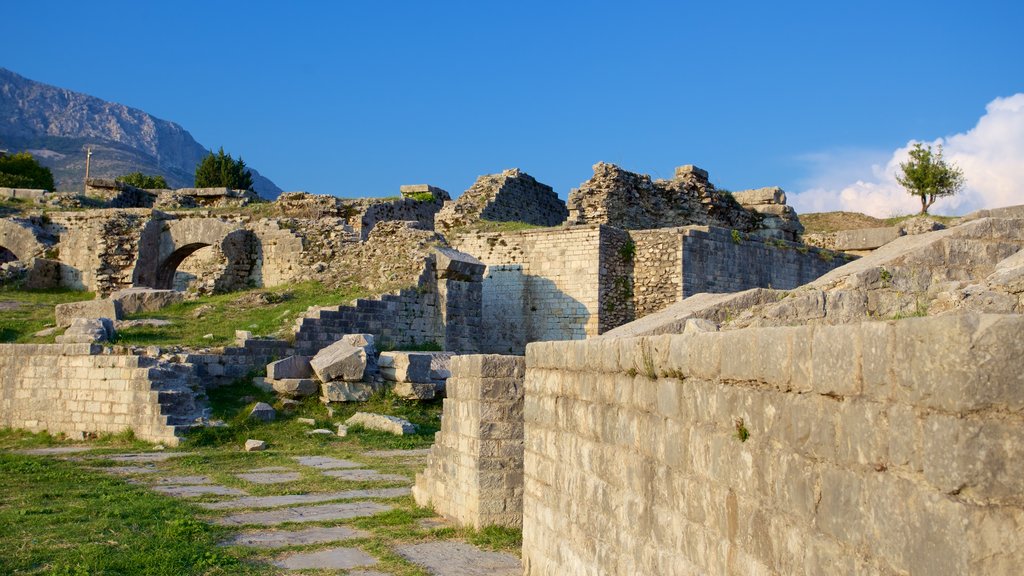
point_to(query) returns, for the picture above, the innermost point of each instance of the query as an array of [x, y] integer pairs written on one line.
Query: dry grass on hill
[[824, 222]]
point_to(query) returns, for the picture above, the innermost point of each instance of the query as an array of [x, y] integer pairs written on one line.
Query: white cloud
[[991, 155]]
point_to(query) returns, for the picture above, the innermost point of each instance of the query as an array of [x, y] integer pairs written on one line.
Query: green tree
[[220, 169], [144, 181], [929, 177], [23, 171]]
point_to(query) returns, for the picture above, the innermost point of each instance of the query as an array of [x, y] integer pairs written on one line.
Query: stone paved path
[[363, 474], [318, 513], [279, 538], [460, 559], [292, 499], [332, 558], [54, 451], [196, 490], [268, 477], [326, 463]]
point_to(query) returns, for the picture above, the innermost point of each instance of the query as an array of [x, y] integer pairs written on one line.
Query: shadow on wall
[[166, 245]]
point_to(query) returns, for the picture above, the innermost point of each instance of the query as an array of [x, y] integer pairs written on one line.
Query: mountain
[[56, 125]]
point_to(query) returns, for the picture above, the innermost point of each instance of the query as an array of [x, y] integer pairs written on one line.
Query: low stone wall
[[474, 474], [881, 448], [214, 370], [74, 389]]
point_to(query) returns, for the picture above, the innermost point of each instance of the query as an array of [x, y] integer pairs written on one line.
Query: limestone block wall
[[99, 248], [876, 448], [474, 473], [503, 293], [74, 389], [369, 213]]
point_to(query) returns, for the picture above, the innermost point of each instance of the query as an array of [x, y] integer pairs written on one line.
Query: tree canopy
[[21, 170], [221, 170], [929, 177], [144, 181]]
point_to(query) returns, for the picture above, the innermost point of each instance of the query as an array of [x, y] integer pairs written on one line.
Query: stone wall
[[511, 196], [99, 248], [875, 448], [74, 389], [369, 212], [658, 261], [474, 473]]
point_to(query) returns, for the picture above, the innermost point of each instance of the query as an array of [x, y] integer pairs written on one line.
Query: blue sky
[[357, 98]]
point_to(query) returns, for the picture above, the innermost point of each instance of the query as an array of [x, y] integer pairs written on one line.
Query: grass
[[25, 312], [266, 312], [947, 220]]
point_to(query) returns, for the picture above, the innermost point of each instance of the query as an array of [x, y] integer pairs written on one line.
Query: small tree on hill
[[144, 181], [221, 170], [23, 171], [927, 176]]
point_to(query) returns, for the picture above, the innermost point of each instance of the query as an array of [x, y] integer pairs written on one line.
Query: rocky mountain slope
[[56, 125]]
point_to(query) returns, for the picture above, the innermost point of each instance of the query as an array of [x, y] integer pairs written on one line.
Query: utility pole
[[88, 155]]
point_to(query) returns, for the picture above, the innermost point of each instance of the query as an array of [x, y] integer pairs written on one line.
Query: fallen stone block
[[340, 361], [294, 387], [135, 300], [309, 421], [320, 432], [88, 331], [263, 412], [383, 423], [241, 336], [65, 313], [405, 366], [416, 390], [255, 445], [347, 391], [342, 430], [290, 367], [441, 365]]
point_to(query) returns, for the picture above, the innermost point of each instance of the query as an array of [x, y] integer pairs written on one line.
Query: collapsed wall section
[[510, 196], [883, 447], [74, 389], [474, 473]]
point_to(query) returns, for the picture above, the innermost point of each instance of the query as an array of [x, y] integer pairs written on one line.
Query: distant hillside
[[57, 124]]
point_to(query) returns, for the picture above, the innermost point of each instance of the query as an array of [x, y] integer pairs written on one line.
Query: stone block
[[415, 390], [489, 366], [865, 238], [769, 195], [135, 300], [255, 445], [263, 412], [340, 361], [65, 313], [411, 367], [383, 423], [295, 387], [290, 367], [836, 361], [88, 331], [341, 391]]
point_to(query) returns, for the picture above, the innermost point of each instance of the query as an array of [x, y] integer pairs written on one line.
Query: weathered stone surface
[[195, 491], [405, 366], [290, 367], [460, 559], [182, 480], [320, 432], [102, 308], [340, 361], [347, 391], [280, 538], [383, 423], [255, 445], [363, 475], [263, 412], [326, 462], [269, 477], [330, 559], [88, 331], [135, 300], [295, 387], [415, 390], [865, 238], [511, 196], [415, 453], [319, 513], [293, 499], [54, 450]]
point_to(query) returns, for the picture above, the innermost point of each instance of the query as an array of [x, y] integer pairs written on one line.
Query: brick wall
[[474, 473], [875, 448], [74, 389]]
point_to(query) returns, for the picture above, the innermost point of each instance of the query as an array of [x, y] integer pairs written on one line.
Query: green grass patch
[[59, 518], [264, 312], [25, 312], [486, 226]]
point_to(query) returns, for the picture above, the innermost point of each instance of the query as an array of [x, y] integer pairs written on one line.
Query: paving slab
[[141, 457], [182, 480], [331, 559], [196, 490], [293, 499], [127, 470], [278, 538], [269, 477], [326, 462], [415, 453], [460, 559], [361, 475], [54, 450], [320, 513]]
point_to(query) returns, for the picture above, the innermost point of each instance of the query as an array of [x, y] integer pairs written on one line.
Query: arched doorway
[[164, 279], [7, 255]]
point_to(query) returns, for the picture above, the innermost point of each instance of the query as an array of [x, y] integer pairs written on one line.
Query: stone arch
[[20, 239], [168, 243]]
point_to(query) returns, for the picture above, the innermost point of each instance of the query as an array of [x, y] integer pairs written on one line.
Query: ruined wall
[[367, 213], [474, 473], [72, 388], [881, 448], [510, 196], [658, 262], [504, 300], [99, 248]]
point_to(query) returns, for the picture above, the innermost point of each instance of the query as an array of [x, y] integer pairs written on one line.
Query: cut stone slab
[[362, 475], [416, 453], [320, 513], [198, 490], [141, 457], [279, 538], [65, 313], [183, 480], [128, 470], [405, 366], [53, 451], [255, 445], [263, 412], [309, 421], [320, 432], [135, 300], [88, 331], [269, 477], [330, 559], [326, 462], [295, 499], [340, 361], [383, 423], [292, 367], [460, 559], [415, 390], [347, 391], [295, 387]]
